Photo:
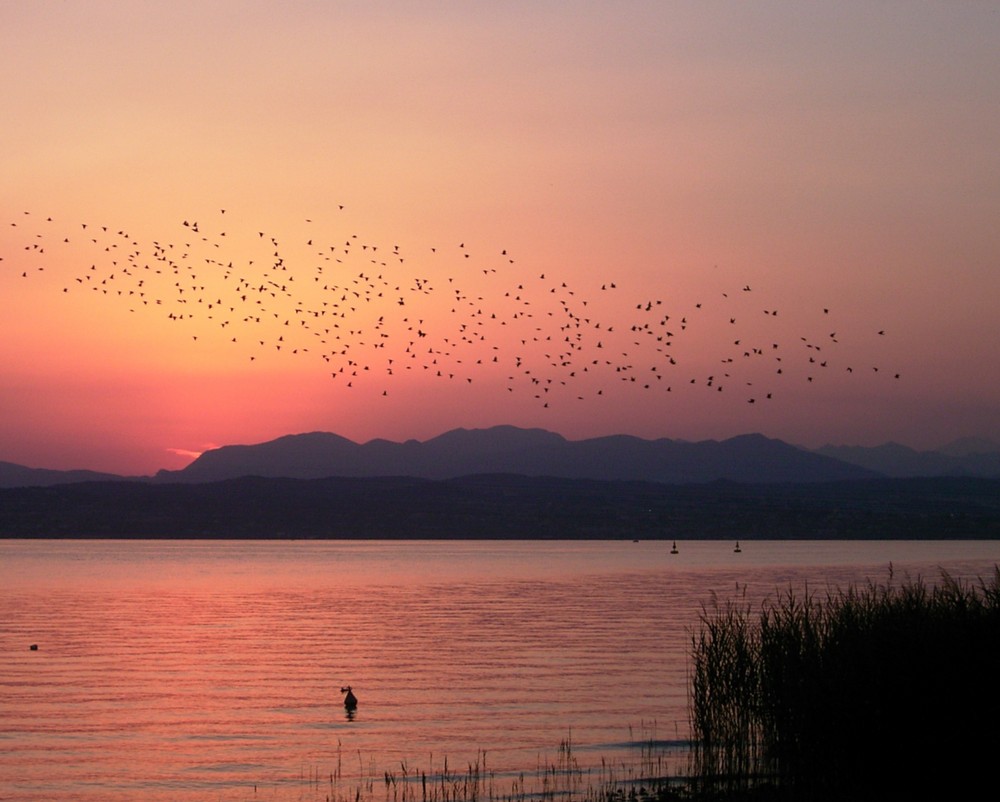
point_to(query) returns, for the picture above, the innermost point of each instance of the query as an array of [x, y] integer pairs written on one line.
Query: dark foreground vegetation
[[506, 506], [882, 692]]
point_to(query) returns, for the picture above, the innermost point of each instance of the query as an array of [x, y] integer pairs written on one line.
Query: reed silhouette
[[885, 691]]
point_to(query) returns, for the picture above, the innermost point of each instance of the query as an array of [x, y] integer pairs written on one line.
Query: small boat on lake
[[673, 549], [737, 549], [350, 701]]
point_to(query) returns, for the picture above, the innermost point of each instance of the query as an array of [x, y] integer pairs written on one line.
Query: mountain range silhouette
[[505, 482], [751, 458], [527, 452]]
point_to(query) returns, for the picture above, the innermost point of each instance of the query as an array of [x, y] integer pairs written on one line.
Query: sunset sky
[[590, 217]]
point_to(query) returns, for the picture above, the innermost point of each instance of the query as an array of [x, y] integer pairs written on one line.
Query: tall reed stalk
[[884, 691]]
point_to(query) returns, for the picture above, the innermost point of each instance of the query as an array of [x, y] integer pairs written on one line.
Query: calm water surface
[[192, 670]]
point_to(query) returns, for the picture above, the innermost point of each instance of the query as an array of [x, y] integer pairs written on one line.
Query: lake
[[211, 670]]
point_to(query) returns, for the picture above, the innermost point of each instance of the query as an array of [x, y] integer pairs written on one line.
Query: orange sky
[[836, 158]]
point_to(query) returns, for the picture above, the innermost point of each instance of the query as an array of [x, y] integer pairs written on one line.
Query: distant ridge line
[[505, 506], [528, 452], [751, 458]]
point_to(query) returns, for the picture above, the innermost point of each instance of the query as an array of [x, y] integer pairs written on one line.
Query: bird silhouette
[[351, 305]]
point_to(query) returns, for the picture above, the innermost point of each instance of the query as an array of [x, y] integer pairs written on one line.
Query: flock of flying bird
[[368, 313]]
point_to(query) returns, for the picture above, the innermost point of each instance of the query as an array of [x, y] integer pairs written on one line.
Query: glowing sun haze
[[686, 220]]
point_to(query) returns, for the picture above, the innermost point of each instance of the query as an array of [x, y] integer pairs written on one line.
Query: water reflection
[[211, 656]]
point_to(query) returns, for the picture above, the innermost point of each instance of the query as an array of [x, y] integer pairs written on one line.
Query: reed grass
[[883, 691], [562, 779]]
